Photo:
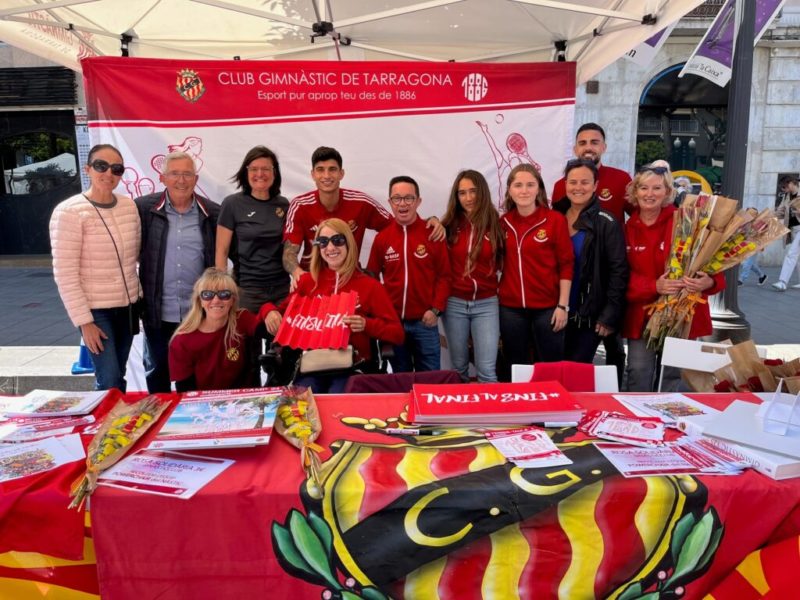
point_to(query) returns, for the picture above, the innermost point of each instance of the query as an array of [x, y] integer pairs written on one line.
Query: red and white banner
[[426, 120], [316, 322]]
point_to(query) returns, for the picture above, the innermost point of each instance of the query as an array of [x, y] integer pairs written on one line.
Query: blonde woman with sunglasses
[[334, 270], [95, 239], [210, 349]]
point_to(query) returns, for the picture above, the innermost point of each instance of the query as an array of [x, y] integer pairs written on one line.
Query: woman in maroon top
[[648, 239], [475, 243], [209, 350]]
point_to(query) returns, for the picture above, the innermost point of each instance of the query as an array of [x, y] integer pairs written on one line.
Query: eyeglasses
[[337, 240], [656, 170], [221, 294], [402, 199], [102, 166], [260, 169], [182, 175]]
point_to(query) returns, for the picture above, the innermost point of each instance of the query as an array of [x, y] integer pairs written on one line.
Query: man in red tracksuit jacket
[[416, 273]]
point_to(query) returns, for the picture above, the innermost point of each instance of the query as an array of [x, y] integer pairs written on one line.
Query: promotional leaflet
[[164, 473], [527, 447], [21, 460]]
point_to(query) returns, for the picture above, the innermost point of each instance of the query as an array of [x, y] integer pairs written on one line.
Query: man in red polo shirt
[[308, 210], [590, 143], [416, 273]]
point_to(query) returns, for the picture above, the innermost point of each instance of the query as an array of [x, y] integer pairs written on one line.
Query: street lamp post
[[729, 321]]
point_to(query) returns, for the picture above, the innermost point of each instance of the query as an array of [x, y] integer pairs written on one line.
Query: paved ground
[[33, 317]]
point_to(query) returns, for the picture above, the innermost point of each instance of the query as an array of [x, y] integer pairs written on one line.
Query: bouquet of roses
[[118, 433], [708, 235]]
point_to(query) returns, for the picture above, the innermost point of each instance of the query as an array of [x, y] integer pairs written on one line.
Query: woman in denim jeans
[[475, 242], [95, 238]]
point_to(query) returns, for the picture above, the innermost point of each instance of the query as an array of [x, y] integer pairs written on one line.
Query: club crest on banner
[[189, 85], [456, 508]]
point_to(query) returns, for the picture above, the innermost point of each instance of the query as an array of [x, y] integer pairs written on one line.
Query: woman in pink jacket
[[95, 237]]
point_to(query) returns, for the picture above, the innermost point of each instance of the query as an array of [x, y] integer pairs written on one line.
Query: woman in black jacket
[[600, 277]]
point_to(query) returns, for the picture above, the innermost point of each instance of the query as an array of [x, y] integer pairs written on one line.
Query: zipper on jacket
[[405, 271], [469, 248]]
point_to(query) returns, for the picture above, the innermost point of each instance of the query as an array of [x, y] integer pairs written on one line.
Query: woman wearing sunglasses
[[334, 269], [95, 238], [648, 239], [210, 349]]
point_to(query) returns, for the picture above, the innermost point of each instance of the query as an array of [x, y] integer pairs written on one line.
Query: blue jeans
[[156, 356], [481, 319], [528, 329], [110, 364], [421, 350]]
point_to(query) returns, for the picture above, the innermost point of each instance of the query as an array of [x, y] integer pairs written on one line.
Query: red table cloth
[[435, 516]]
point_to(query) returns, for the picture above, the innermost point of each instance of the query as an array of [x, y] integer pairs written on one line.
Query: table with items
[[397, 516]]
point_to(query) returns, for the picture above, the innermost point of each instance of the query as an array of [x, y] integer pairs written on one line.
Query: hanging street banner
[[426, 120], [713, 57], [644, 53]]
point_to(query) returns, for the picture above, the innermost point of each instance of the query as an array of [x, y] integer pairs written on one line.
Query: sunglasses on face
[[221, 294], [337, 240], [656, 170], [102, 166]]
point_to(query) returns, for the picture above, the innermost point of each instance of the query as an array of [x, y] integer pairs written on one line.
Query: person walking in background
[[178, 243], [789, 211], [416, 273], [750, 265], [95, 237], [537, 273], [475, 242]]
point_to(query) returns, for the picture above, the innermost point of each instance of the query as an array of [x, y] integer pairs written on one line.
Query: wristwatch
[[562, 307], [436, 311]]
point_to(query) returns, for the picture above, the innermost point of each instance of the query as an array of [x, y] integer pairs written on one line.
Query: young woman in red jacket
[[475, 242], [334, 269], [648, 238], [537, 272]]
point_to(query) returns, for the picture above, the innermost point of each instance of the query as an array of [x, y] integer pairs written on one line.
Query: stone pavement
[[38, 344]]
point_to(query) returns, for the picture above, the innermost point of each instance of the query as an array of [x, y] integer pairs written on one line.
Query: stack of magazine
[[493, 404]]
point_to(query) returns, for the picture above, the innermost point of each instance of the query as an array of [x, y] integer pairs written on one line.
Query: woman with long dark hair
[[475, 242]]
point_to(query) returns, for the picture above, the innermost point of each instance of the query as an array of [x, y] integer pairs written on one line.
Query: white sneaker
[[779, 286]]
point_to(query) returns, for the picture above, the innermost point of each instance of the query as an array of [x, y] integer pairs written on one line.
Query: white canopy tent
[[594, 33]]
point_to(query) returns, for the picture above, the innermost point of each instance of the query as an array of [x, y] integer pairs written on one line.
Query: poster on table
[[426, 120]]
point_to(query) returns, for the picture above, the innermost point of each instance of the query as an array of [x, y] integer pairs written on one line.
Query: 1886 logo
[[189, 85]]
